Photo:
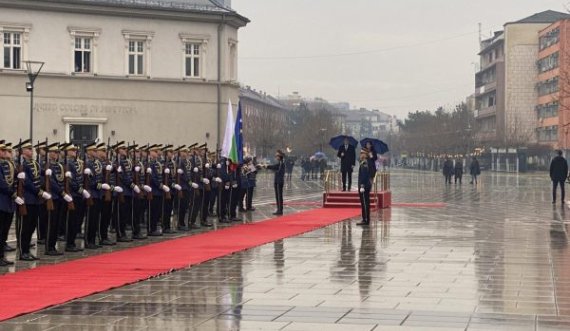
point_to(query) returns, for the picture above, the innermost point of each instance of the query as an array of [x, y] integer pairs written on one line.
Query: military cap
[[167, 148], [69, 147], [24, 144], [91, 147], [134, 147], [193, 146], [41, 145], [119, 145], [7, 146], [53, 147], [101, 147], [155, 147]]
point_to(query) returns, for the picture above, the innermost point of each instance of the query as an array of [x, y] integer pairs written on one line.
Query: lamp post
[[33, 70], [323, 130]]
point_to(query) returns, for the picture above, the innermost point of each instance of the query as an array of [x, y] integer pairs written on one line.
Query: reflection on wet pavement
[[495, 258]]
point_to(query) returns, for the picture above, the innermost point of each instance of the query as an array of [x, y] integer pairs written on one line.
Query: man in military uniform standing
[[168, 173], [139, 205], [74, 175], [279, 180], [9, 168], [183, 173], [33, 195], [55, 172], [197, 187], [8, 199], [107, 190], [41, 151], [125, 177], [94, 171]]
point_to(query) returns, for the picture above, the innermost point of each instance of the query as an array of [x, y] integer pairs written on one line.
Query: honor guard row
[[66, 192]]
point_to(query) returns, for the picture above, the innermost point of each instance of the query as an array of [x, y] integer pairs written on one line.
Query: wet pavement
[[495, 257]]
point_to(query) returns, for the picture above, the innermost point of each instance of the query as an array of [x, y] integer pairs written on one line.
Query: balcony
[[486, 112]]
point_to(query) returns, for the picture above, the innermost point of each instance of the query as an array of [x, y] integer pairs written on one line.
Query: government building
[[132, 70]]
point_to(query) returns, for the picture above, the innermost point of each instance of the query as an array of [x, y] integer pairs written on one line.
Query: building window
[[549, 39], [192, 60], [547, 110], [136, 57], [547, 134], [12, 50], [548, 63], [83, 54]]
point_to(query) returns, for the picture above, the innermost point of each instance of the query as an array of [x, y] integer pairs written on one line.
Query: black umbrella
[[379, 146], [338, 141]]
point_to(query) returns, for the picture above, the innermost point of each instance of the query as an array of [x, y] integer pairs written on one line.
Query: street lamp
[[323, 130], [33, 69]]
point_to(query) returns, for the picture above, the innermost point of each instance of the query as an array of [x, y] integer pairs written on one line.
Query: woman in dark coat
[[372, 157]]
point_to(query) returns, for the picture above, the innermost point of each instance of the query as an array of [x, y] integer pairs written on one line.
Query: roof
[[199, 5], [548, 16], [248, 93]]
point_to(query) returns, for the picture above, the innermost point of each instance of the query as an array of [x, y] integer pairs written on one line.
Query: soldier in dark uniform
[[183, 173], [33, 195], [139, 205], [107, 188], [56, 173], [364, 186], [197, 187], [41, 150], [279, 180], [74, 174], [156, 170], [124, 175], [168, 173], [94, 170], [235, 173], [207, 177], [212, 175], [8, 200], [224, 182], [9, 168]]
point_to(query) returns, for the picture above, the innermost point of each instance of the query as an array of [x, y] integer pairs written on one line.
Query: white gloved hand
[[227, 187], [235, 186], [147, 188], [136, 189], [22, 175], [109, 167], [206, 181], [361, 190], [218, 180], [68, 174], [207, 165], [180, 171], [370, 154], [167, 171], [106, 186], [194, 185], [46, 196], [165, 188], [86, 194], [149, 170], [87, 172], [118, 189], [341, 154], [177, 187], [67, 198], [137, 169], [195, 169], [19, 201], [120, 169], [219, 166], [48, 172]]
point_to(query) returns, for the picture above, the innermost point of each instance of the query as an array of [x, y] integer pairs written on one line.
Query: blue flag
[[238, 134]]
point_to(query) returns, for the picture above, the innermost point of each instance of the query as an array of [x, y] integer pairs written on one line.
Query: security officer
[[364, 186], [279, 180], [8, 199]]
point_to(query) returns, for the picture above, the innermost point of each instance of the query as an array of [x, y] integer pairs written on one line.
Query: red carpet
[[31, 290]]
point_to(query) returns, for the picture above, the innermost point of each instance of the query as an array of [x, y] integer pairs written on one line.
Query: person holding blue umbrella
[[347, 155]]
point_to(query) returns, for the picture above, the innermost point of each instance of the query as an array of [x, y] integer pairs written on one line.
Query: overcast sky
[[396, 56]]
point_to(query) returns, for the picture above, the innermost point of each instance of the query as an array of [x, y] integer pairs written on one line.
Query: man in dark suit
[[558, 174], [347, 155]]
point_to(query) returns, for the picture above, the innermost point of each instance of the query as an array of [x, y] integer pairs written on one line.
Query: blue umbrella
[[338, 141], [320, 155], [379, 146]]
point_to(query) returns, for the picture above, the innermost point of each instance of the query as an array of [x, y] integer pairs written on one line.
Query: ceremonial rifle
[[22, 210], [49, 203], [70, 205]]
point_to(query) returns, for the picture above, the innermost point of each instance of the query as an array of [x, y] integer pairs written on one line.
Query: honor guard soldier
[[365, 185], [196, 197], [41, 152], [8, 198], [33, 194], [124, 168], [9, 168], [56, 173], [207, 177], [168, 173], [224, 185], [107, 189], [139, 205], [156, 171], [279, 180], [235, 176], [93, 173], [75, 211], [183, 173]]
